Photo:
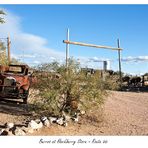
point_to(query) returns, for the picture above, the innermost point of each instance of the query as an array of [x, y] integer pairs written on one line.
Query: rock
[[40, 125], [9, 125], [82, 112], [5, 132], [46, 123], [10, 133], [43, 118], [26, 129], [37, 121], [19, 132], [60, 121], [1, 131], [32, 124], [52, 119], [29, 130], [66, 116], [75, 119], [65, 124]]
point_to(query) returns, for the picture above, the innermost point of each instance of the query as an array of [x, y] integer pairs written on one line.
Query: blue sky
[[37, 32]]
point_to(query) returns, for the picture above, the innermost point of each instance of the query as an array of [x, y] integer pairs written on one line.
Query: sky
[[37, 33]]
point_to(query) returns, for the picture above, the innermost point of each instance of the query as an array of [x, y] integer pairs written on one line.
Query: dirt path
[[124, 113]]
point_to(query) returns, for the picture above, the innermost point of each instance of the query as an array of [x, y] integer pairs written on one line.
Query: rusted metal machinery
[[15, 82]]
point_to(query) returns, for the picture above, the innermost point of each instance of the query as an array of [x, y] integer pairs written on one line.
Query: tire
[[25, 96], [25, 100]]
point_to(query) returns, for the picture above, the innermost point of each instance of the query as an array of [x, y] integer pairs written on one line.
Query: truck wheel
[[25, 96], [25, 100]]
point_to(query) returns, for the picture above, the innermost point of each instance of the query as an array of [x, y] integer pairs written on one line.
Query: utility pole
[[67, 49], [8, 47], [119, 60]]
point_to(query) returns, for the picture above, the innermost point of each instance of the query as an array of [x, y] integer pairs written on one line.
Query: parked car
[[15, 82]]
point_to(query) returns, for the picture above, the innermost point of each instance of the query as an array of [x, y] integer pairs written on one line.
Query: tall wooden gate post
[[8, 47], [119, 61], [67, 50]]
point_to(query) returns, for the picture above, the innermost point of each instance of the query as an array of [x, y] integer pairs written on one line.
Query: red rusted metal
[[15, 81]]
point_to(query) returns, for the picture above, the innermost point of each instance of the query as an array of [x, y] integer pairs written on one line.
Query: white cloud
[[96, 59], [135, 59], [26, 45], [19, 56], [36, 62], [92, 62]]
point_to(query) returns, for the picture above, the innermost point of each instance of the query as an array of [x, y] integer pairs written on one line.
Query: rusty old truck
[[15, 82]]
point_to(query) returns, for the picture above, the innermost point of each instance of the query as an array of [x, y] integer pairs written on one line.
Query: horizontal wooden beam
[[90, 45]]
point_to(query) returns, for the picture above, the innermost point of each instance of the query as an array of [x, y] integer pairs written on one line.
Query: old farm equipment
[[15, 81]]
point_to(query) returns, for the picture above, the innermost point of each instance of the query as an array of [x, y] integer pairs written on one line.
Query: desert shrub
[[63, 89], [112, 83]]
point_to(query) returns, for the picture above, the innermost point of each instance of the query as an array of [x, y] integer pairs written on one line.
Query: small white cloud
[[91, 62], [28, 56], [22, 56], [52, 58], [36, 62], [97, 59], [135, 59]]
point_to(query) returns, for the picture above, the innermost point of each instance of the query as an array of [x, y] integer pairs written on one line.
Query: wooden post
[[119, 60], [67, 49], [95, 46], [90, 45], [8, 47]]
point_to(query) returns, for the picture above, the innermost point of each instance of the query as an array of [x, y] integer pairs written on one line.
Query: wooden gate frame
[[94, 46]]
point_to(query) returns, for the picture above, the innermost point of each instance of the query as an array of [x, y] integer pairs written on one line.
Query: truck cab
[[15, 82]]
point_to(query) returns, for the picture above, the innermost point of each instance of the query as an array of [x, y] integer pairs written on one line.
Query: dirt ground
[[124, 113]]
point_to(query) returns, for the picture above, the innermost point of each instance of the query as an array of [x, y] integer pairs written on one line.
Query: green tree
[[63, 90], [3, 58], [1, 18]]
